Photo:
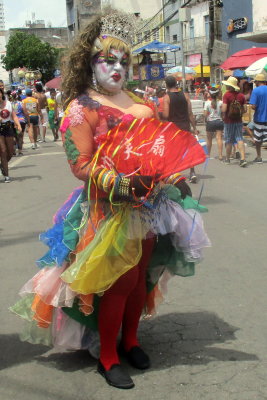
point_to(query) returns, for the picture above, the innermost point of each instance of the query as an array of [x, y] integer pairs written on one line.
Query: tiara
[[120, 26]]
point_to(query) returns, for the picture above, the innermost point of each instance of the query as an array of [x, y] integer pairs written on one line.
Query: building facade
[[196, 32], [239, 18], [79, 12], [56, 37], [2, 16], [259, 32]]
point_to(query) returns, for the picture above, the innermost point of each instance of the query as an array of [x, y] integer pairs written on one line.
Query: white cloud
[[19, 11]]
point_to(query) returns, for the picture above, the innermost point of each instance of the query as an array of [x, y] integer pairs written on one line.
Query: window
[[155, 34], [191, 29], [174, 38], [207, 25], [167, 34], [147, 36], [139, 37]]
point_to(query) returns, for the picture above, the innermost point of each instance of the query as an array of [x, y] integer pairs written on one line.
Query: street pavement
[[208, 340]]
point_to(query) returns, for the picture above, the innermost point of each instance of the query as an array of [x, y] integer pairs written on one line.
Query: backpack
[[235, 110]]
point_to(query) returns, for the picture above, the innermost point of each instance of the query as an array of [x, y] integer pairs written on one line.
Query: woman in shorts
[[214, 122], [18, 108], [7, 115]]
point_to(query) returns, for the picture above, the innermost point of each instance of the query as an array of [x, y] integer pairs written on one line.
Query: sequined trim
[[75, 113]]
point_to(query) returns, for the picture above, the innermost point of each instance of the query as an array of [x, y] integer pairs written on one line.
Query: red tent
[[244, 58], [54, 83]]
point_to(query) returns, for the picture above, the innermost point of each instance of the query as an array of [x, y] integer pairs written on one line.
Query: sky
[[18, 11]]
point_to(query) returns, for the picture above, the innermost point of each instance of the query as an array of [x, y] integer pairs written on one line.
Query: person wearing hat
[[32, 111], [233, 108], [258, 100]]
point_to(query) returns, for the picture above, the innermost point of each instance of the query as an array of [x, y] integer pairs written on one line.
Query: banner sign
[[219, 52], [237, 24], [151, 72], [194, 60]]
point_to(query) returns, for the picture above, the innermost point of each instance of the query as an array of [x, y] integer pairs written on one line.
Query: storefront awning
[[156, 47], [206, 71]]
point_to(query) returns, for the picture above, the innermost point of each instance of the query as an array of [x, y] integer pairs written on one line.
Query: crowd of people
[[231, 109], [36, 109], [26, 110]]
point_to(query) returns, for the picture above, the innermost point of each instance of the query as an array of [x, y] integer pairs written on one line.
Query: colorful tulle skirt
[[90, 246]]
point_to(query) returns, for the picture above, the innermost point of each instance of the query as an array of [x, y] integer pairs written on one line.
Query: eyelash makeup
[[112, 60]]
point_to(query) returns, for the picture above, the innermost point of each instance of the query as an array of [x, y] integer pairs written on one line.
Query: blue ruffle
[[58, 250]]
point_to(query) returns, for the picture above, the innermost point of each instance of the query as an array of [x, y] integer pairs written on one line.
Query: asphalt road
[[208, 340]]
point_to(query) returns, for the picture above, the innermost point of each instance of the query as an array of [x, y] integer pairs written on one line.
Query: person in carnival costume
[[104, 266]]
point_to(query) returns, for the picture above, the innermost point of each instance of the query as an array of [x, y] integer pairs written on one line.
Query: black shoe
[[116, 376], [136, 357], [242, 163]]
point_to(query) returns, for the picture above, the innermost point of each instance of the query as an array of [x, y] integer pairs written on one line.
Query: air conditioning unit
[[184, 14]]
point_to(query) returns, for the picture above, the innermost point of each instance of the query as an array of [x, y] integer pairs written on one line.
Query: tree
[[24, 50]]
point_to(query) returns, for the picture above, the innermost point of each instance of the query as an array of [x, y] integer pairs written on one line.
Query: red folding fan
[[148, 146]]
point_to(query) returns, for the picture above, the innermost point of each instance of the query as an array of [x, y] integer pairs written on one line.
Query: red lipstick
[[116, 77]]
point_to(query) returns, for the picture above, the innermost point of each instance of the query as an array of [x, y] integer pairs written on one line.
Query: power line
[[154, 16], [157, 28]]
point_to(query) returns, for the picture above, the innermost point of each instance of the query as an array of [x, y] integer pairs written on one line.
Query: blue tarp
[[157, 47], [239, 73]]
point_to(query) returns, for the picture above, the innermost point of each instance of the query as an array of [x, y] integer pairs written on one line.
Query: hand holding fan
[[148, 146]]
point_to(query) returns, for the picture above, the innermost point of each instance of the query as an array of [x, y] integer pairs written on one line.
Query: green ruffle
[[72, 223], [174, 194], [166, 256]]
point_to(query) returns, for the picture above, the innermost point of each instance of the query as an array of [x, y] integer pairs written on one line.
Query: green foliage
[[24, 50]]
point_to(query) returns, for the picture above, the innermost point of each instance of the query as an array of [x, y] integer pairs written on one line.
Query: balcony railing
[[196, 45]]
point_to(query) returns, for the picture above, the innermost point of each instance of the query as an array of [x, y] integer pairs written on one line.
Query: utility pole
[[184, 16], [215, 31], [181, 24]]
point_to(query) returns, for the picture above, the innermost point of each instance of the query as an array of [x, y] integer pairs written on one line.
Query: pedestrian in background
[[177, 108], [160, 93], [258, 101], [233, 108], [42, 100], [32, 111], [51, 106], [214, 122], [18, 109], [7, 115]]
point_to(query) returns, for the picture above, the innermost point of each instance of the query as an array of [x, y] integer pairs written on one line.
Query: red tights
[[121, 306]]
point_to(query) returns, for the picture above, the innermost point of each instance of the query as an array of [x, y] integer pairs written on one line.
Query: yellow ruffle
[[110, 255]]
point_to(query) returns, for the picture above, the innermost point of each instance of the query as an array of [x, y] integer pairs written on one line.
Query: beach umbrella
[[258, 67], [244, 58], [178, 68], [55, 83]]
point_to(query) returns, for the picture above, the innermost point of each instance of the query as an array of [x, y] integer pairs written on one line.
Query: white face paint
[[110, 71]]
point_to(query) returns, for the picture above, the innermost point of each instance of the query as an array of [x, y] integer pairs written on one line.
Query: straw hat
[[232, 81], [260, 78]]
